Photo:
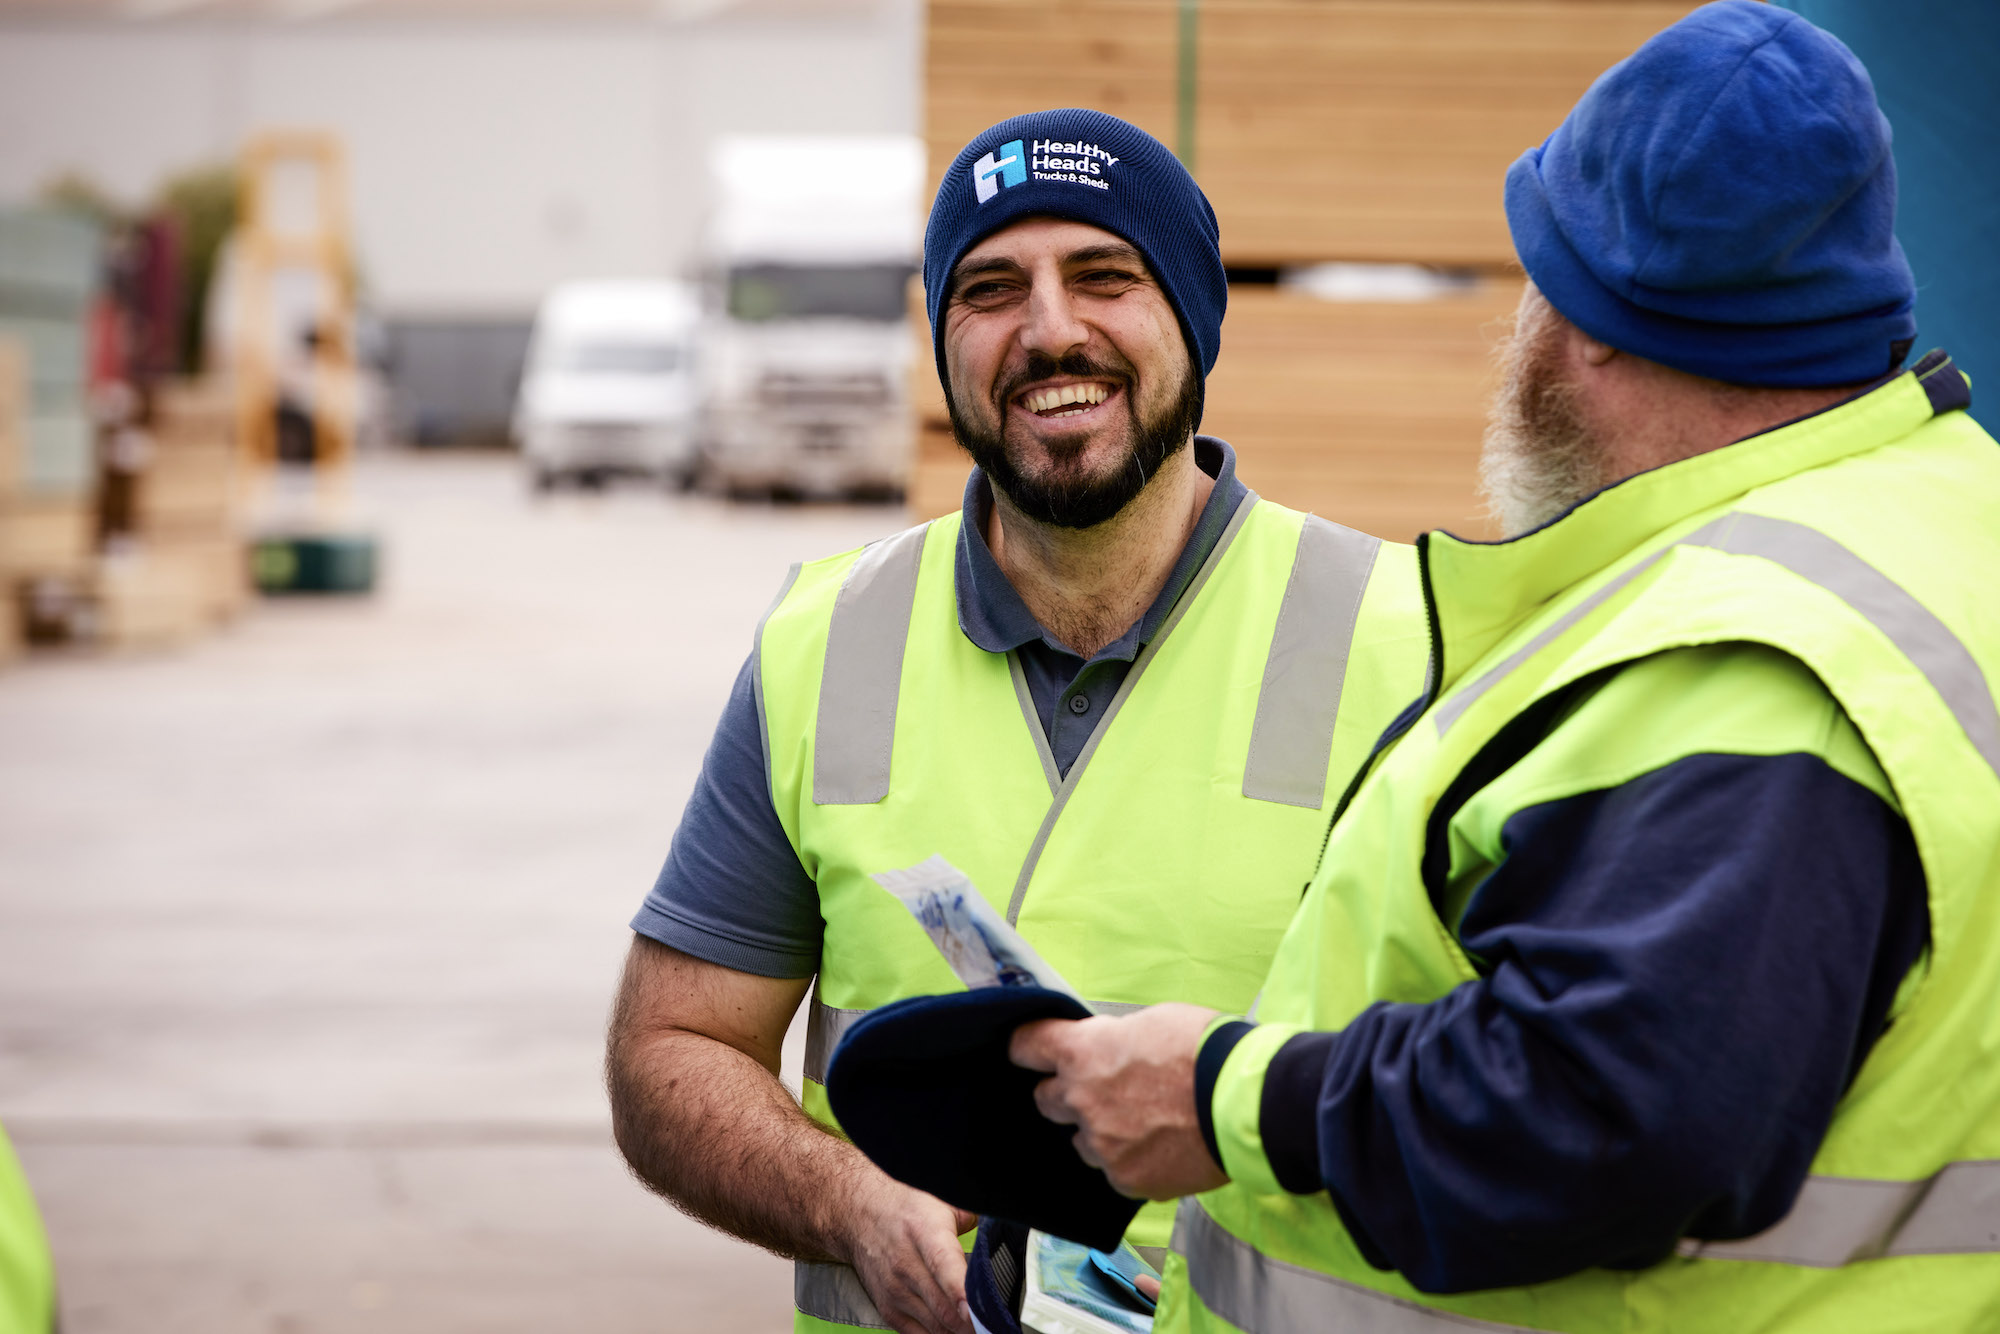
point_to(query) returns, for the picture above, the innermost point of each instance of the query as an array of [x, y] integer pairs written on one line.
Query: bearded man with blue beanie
[[1650, 980], [1117, 690]]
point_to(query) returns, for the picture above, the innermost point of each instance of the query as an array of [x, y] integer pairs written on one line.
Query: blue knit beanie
[[1087, 167], [1723, 201]]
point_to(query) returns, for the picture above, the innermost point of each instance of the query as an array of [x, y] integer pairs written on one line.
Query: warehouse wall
[[490, 159]]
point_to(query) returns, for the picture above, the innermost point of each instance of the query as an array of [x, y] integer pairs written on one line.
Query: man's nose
[[1052, 326]]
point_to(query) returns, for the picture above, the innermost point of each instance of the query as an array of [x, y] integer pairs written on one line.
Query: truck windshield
[[759, 292], [619, 358]]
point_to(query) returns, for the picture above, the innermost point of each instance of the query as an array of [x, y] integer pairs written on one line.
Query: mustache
[[1042, 366]]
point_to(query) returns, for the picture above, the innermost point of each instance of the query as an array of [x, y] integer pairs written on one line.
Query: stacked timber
[[1371, 131], [179, 568]]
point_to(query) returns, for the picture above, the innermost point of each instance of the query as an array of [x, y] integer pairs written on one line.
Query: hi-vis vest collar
[[1481, 590]]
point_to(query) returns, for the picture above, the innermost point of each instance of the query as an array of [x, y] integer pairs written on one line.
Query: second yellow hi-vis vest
[[1862, 543], [1164, 865]]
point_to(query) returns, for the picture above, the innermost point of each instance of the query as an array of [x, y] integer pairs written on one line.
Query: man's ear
[[1594, 352]]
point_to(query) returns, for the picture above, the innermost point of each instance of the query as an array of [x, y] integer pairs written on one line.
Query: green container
[[284, 565]]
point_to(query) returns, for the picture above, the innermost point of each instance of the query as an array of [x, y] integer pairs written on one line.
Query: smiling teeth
[[1048, 399]]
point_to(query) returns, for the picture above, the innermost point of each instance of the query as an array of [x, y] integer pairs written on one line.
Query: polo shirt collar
[[990, 610]]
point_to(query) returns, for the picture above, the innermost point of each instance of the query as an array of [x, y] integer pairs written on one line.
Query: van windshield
[[759, 292], [619, 358]]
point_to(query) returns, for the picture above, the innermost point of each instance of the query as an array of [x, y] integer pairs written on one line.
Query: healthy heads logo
[[991, 173]]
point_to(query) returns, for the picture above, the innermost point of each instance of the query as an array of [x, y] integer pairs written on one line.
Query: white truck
[[609, 387], [806, 342]]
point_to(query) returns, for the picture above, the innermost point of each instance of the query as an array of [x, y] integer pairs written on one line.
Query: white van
[[609, 387]]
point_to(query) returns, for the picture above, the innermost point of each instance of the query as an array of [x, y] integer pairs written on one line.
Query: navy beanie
[[1087, 167], [925, 1089], [1723, 201]]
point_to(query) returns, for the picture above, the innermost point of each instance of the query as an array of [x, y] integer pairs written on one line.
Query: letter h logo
[[991, 173]]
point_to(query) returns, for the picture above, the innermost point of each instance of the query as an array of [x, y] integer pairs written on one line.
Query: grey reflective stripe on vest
[[1907, 623], [757, 668], [834, 1292], [1291, 741], [1260, 1295], [1839, 1220], [1912, 627], [826, 1026], [863, 673], [1454, 708]]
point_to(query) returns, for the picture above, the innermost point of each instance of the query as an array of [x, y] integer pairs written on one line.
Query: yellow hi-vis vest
[[1164, 866], [1862, 543], [27, 1274]]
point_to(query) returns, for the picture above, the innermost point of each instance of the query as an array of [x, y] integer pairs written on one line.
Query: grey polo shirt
[[732, 891]]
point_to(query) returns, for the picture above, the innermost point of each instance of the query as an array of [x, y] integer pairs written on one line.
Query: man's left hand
[[1127, 1084]]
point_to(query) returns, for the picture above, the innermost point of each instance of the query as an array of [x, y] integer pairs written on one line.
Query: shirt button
[[1079, 703]]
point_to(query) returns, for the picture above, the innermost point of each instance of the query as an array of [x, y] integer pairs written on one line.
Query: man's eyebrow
[[972, 268], [1110, 250]]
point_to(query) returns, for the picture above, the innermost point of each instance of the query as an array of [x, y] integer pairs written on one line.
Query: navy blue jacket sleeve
[[1680, 977], [732, 891]]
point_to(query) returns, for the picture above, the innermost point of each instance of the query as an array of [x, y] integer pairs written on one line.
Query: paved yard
[[308, 932]]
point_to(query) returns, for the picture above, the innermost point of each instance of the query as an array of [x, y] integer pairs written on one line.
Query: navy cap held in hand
[[925, 1089], [1723, 201], [1084, 166]]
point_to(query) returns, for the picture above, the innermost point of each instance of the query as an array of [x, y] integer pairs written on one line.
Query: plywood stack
[[1367, 412], [183, 569], [1322, 130]]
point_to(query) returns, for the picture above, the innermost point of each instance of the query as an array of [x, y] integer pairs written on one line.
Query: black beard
[[1066, 502]]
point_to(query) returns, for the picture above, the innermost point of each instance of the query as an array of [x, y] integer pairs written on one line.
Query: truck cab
[[806, 338]]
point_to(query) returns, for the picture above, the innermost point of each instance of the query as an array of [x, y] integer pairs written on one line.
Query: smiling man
[[1118, 690]]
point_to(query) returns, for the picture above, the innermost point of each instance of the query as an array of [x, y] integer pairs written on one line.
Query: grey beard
[[1531, 477], [1539, 456]]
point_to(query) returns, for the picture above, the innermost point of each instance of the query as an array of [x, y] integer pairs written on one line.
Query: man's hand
[[904, 1244], [1128, 1086]]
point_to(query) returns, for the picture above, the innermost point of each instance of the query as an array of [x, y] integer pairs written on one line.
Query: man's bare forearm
[[715, 1132], [701, 1116]]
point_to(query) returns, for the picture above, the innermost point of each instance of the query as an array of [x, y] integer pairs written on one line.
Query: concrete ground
[[308, 931]]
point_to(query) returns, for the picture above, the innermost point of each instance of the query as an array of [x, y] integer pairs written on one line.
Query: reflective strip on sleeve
[[1838, 1220], [834, 1293], [856, 731], [1260, 1295], [826, 1026], [1291, 741], [1912, 627]]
